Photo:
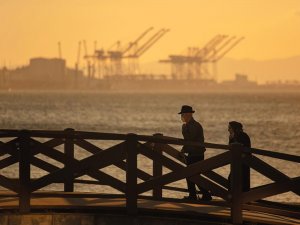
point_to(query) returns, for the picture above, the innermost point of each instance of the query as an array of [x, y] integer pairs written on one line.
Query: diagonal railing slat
[[174, 166], [220, 180], [43, 164], [47, 151], [97, 161], [267, 170], [52, 143], [210, 174], [8, 161], [39, 183], [185, 172], [10, 184], [9, 147], [214, 188], [108, 180], [121, 165], [268, 190]]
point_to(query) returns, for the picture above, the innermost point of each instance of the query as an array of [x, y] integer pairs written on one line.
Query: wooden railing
[[23, 147]]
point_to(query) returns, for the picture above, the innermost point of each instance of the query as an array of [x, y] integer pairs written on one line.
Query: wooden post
[[131, 174], [157, 168], [24, 172], [69, 154], [236, 184]]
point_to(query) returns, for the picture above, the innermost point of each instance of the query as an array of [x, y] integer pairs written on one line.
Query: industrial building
[[43, 74]]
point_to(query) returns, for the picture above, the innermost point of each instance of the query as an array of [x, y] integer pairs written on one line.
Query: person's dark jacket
[[241, 138], [244, 139], [193, 131]]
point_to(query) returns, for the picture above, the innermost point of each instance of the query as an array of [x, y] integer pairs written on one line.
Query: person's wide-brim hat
[[186, 109]]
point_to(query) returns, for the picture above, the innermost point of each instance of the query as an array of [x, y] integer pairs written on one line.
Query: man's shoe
[[190, 197], [206, 197]]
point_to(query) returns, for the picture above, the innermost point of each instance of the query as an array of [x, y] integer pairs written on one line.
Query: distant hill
[[261, 71]]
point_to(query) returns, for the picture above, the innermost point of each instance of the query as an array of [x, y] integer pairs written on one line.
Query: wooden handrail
[[277, 155], [26, 145], [155, 139]]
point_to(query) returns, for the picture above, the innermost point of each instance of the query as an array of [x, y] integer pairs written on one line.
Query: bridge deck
[[213, 210]]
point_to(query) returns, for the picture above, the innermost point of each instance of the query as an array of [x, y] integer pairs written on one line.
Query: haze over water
[[272, 119]]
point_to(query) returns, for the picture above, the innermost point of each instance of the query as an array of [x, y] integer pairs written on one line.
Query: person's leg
[[205, 193], [229, 182], [191, 189], [246, 178], [190, 185]]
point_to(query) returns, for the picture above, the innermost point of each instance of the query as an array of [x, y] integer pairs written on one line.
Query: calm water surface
[[271, 120]]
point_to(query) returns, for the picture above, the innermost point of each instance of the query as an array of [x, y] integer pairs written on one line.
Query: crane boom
[[131, 44], [150, 42], [153, 42], [228, 49], [226, 43], [117, 43], [135, 53], [212, 47], [206, 46]]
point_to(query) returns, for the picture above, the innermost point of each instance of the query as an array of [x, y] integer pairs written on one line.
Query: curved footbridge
[[25, 199]]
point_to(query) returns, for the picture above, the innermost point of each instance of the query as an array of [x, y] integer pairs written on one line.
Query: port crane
[[139, 51], [132, 51], [90, 61], [223, 51], [77, 63], [198, 62], [193, 65]]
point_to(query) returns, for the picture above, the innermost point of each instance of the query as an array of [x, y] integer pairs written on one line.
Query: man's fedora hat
[[186, 109]]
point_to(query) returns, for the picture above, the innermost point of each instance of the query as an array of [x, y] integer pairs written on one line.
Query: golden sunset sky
[[31, 28]]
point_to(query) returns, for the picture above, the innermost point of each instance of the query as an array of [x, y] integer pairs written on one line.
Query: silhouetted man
[[193, 131]]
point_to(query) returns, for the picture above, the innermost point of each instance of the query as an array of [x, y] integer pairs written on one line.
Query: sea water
[[272, 120]]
